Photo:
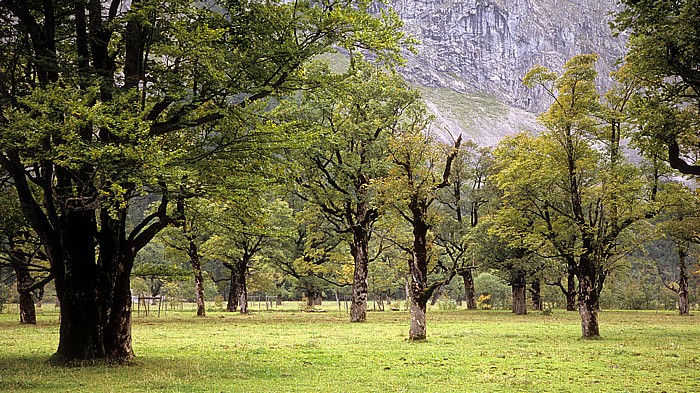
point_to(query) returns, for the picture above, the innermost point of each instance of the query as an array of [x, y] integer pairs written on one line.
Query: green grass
[[291, 351]]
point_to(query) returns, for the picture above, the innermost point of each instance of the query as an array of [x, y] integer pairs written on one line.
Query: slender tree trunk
[[418, 267], [233, 294], [27, 311], [434, 299], [470, 293], [683, 302], [570, 292], [536, 295], [242, 292], [198, 278]]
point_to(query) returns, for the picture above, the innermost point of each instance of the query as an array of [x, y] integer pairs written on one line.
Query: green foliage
[[663, 63]]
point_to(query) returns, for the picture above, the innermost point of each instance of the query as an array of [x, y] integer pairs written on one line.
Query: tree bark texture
[[417, 330], [536, 295], [469, 292], [588, 305], [519, 299], [27, 310], [570, 292], [358, 307], [683, 302], [198, 278]]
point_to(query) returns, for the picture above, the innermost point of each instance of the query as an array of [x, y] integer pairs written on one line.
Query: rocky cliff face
[[487, 46]]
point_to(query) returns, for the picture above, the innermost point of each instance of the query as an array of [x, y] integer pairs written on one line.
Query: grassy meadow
[[291, 351]]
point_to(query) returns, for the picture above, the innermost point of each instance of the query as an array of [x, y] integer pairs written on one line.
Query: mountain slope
[[483, 48]]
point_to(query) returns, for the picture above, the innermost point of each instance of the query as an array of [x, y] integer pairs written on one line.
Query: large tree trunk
[[81, 333], [27, 311], [118, 330], [588, 304], [519, 299], [198, 278], [417, 331], [470, 293], [364, 218], [683, 302], [358, 307]]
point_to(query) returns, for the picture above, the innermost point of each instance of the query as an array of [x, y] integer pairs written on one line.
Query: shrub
[[484, 301], [446, 303]]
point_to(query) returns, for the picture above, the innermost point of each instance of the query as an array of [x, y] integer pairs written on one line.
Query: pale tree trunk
[[417, 331]]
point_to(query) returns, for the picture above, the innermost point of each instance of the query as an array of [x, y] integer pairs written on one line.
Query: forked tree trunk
[[469, 292]]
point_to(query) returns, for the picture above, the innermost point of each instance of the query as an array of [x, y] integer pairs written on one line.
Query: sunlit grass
[[291, 351]]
